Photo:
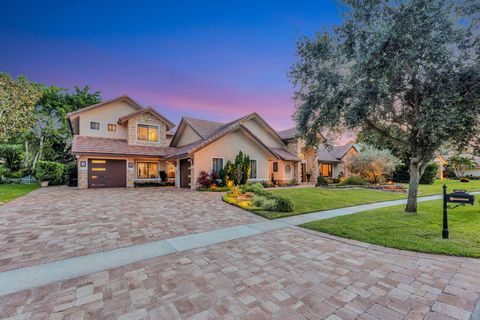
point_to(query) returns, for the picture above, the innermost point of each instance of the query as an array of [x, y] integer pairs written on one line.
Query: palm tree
[[459, 164]]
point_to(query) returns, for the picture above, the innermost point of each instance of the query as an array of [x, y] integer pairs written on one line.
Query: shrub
[[50, 171], [235, 192], [293, 182], [401, 174], [321, 182], [372, 164], [269, 205], [283, 204], [429, 174], [258, 201], [464, 180], [254, 187], [71, 174], [204, 180], [163, 175], [353, 181]]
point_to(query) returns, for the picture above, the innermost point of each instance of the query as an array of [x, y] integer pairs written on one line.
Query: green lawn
[[9, 192], [436, 187], [318, 199], [422, 231]]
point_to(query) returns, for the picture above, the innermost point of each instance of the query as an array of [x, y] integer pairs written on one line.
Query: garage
[[106, 173]]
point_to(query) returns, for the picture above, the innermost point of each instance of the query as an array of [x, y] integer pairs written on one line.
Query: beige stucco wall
[[263, 134], [227, 148], [188, 136], [147, 118], [105, 114], [282, 174]]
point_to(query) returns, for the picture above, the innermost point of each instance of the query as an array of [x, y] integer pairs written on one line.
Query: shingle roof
[[284, 154], [94, 106], [333, 154], [288, 134], [203, 127], [95, 145]]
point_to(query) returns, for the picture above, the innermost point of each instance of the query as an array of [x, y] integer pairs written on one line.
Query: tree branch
[[385, 133]]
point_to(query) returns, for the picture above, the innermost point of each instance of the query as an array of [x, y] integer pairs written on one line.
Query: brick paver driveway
[[60, 222], [283, 274]]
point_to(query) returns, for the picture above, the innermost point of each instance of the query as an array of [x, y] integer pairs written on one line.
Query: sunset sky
[[215, 60]]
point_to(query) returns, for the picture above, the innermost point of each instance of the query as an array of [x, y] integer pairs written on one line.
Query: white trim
[[256, 169], [147, 124], [116, 127], [211, 163], [93, 130]]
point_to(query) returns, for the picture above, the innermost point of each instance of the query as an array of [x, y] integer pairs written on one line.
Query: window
[[170, 170], [217, 165], [253, 169], [147, 132], [288, 169], [326, 169], [147, 170], [112, 127], [275, 167], [95, 125]]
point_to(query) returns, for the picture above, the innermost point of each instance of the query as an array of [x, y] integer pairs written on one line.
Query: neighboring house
[[443, 159], [118, 142], [332, 160]]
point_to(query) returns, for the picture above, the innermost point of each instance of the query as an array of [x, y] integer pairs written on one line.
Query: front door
[[304, 172], [184, 173]]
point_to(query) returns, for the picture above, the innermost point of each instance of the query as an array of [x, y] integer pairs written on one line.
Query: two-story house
[[118, 142]]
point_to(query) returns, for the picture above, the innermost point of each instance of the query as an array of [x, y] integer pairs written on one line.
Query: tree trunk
[[415, 175]]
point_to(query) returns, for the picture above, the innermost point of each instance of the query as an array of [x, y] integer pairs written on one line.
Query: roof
[[211, 131], [149, 110], [288, 134], [98, 105], [107, 146], [335, 153]]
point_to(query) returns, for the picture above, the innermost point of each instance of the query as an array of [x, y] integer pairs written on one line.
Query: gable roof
[[335, 153], [149, 110], [101, 104], [288, 134], [210, 131]]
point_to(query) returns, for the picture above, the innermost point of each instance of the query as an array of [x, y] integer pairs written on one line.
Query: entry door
[[184, 173], [103, 173], [304, 172]]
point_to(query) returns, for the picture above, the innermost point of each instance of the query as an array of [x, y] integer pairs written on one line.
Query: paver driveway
[[60, 222], [283, 274]]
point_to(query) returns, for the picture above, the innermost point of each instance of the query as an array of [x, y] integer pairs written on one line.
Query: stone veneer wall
[[147, 118], [295, 147]]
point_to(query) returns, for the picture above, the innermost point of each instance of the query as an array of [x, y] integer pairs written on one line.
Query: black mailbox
[[460, 196]]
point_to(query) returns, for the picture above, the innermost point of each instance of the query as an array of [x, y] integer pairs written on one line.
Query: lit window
[[326, 169], [98, 161], [112, 127], [95, 125], [217, 165], [147, 170], [253, 169], [171, 170], [98, 169], [147, 133], [275, 167]]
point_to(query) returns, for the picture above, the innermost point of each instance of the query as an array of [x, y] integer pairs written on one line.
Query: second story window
[[112, 127], [147, 132], [95, 125]]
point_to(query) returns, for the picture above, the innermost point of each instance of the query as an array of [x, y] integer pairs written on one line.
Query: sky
[[215, 60]]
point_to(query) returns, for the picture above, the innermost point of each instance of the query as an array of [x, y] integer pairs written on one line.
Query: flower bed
[[254, 197]]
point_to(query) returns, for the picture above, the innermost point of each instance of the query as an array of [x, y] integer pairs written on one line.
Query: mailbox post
[[445, 217], [460, 197]]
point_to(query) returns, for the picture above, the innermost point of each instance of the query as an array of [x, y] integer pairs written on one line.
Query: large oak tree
[[407, 70]]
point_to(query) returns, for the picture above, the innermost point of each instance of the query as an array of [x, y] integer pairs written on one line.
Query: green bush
[[402, 175], [429, 174], [50, 171], [254, 187], [284, 205], [321, 182], [353, 181], [258, 201], [71, 174], [269, 205]]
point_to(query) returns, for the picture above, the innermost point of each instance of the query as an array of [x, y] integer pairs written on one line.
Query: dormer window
[[95, 125], [147, 133]]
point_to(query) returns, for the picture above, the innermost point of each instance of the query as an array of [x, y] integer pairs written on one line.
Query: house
[[443, 159], [118, 142], [332, 160]]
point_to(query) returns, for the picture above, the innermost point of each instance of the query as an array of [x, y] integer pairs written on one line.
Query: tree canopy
[[408, 71]]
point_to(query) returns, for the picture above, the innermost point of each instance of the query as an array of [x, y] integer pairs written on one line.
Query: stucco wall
[[228, 147], [263, 134], [188, 136], [282, 174], [105, 114]]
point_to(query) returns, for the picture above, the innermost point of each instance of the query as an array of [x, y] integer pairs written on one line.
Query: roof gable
[[126, 98], [150, 111]]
